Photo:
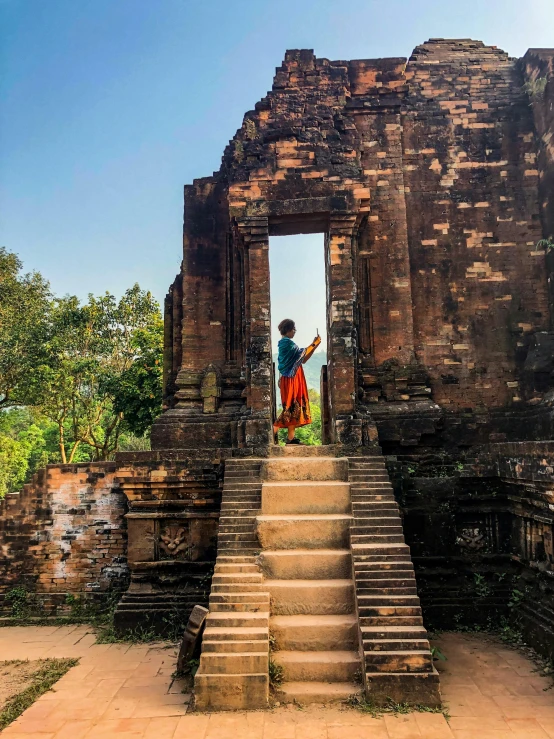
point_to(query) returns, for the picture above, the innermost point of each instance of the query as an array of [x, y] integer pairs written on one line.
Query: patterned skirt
[[295, 401]]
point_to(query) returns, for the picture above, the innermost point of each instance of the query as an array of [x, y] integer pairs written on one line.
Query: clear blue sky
[[108, 107]]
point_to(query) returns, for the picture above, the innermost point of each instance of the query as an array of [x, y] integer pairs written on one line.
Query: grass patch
[[50, 671], [275, 674], [105, 634], [361, 703]]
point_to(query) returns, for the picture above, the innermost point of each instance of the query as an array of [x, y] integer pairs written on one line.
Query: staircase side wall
[[481, 536], [63, 534]]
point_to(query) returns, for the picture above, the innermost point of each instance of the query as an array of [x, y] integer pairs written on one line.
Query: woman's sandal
[[294, 441]]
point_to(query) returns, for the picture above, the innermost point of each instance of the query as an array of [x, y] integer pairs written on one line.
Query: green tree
[[25, 301], [22, 448], [96, 353]]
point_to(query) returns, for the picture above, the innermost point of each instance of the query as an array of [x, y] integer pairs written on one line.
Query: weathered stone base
[[414, 689], [231, 692]]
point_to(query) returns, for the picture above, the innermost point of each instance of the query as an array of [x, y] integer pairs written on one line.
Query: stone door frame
[[340, 230]]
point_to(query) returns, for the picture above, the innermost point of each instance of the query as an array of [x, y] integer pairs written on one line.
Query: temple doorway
[[298, 291]]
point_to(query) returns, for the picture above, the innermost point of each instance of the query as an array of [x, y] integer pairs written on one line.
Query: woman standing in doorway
[[292, 382]]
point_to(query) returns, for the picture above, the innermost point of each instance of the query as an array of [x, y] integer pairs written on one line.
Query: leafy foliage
[[77, 381], [104, 361], [546, 244], [536, 88], [25, 302]]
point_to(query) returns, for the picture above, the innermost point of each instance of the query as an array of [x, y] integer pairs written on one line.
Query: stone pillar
[[255, 234], [341, 332]]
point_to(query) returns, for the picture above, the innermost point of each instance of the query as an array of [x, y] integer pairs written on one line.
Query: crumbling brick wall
[[440, 167], [478, 279], [65, 533]]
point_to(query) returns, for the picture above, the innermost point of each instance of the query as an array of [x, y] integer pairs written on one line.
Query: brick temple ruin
[[432, 180]]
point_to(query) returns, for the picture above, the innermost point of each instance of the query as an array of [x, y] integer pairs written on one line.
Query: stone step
[[392, 590], [305, 468], [322, 666], [382, 570], [219, 692], [306, 564], [294, 450], [359, 529], [305, 693], [392, 645], [236, 528], [237, 607], [233, 662], [228, 520], [309, 633], [237, 511], [233, 548], [379, 611], [256, 620], [242, 496], [367, 477], [233, 646], [361, 500], [359, 486], [409, 687], [393, 632], [377, 538], [388, 600], [234, 472], [253, 597], [383, 583], [252, 576], [316, 597], [225, 560], [379, 552], [396, 661], [241, 536], [305, 497], [321, 531], [390, 620], [365, 520], [247, 633], [238, 587], [232, 569]]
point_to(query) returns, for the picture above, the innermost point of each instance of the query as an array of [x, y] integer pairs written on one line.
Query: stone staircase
[[304, 533], [311, 549], [397, 659], [234, 665]]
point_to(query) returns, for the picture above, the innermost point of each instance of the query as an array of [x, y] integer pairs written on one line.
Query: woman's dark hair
[[285, 326]]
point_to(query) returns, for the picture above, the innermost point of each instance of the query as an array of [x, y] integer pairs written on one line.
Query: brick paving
[[126, 691]]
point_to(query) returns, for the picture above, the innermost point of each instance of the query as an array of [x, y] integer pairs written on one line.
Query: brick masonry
[[431, 179], [65, 533]]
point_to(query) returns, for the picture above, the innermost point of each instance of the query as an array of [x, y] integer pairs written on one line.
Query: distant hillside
[[312, 369]]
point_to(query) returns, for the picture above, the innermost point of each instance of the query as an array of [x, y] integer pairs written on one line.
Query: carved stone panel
[[188, 540]]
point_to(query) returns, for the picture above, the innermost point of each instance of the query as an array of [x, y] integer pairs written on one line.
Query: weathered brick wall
[[431, 178], [478, 280], [481, 536], [65, 533]]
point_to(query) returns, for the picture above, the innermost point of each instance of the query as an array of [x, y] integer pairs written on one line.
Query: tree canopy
[[86, 377]]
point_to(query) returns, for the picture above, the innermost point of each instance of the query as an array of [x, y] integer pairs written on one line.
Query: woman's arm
[[311, 349]]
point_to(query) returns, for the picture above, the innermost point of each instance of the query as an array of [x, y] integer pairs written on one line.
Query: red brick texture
[[431, 179], [65, 533]]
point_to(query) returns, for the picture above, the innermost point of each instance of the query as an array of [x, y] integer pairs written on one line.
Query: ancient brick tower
[[432, 185], [432, 180]]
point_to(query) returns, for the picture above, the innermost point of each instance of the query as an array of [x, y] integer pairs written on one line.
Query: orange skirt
[[295, 401]]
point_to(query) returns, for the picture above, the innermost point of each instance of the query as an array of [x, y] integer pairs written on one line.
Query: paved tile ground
[[127, 692]]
